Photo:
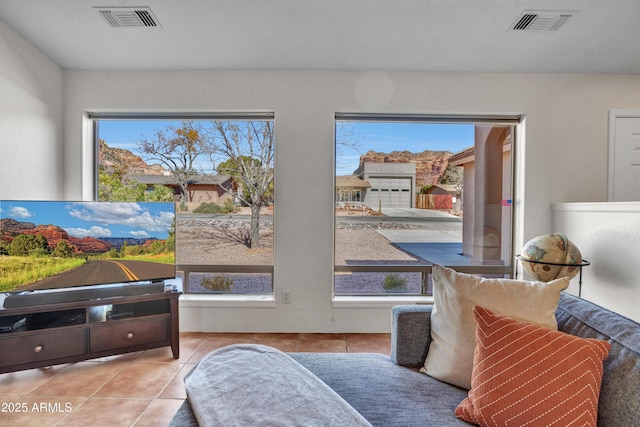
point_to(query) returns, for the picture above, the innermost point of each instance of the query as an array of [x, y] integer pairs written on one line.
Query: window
[[219, 170], [432, 190]]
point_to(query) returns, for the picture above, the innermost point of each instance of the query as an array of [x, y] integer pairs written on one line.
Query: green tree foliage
[[112, 253], [63, 250], [115, 186], [453, 175], [395, 283], [123, 249], [132, 250], [157, 247], [29, 244], [212, 208], [170, 244], [159, 193]]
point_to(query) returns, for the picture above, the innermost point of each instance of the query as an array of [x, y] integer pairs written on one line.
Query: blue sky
[[103, 219], [412, 137], [126, 133], [380, 137]]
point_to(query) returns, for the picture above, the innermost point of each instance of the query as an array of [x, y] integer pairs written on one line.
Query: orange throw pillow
[[528, 375]]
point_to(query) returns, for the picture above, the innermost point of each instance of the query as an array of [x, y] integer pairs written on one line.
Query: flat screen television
[[47, 247]]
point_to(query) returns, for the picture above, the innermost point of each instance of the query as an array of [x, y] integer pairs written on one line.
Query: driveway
[[441, 244], [418, 214]]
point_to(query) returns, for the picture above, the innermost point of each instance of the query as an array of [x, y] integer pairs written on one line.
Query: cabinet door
[[131, 333], [43, 346]]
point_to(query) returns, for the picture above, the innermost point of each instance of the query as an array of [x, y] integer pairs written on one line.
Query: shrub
[[208, 208], [63, 250], [229, 207], [395, 283], [26, 244], [219, 283]]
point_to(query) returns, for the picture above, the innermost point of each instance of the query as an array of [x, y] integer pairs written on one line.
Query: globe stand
[[583, 263]]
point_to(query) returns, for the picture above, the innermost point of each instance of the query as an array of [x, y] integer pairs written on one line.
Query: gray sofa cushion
[[411, 334], [384, 393], [619, 401], [252, 384]]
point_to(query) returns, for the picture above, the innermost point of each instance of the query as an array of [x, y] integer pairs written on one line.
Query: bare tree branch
[[249, 148], [177, 149]]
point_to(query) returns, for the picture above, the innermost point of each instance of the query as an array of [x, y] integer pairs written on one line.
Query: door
[[390, 192], [624, 156]]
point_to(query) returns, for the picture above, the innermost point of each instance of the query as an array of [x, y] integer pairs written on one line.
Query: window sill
[[226, 301], [378, 302]]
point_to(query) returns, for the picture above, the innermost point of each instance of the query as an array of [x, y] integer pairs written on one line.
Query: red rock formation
[[121, 159], [90, 245], [55, 234]]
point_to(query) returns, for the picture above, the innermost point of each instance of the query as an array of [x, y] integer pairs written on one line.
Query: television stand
[[50, 334]]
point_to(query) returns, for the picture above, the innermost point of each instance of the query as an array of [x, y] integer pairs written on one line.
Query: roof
[[468, 154], [462, 157], [446, 187], [351, 181]]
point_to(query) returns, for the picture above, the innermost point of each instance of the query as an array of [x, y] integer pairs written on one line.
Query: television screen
[[53, 244]]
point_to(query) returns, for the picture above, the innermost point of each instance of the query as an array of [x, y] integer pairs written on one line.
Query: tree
[[63, 250], [28, 244], [177, 149], [115, 186], [249, 148], [230, 167], [347, 141], [453, 175], [159, 193]]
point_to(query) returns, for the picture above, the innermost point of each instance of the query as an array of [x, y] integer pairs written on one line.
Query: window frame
[[186, 269], [516, 121]]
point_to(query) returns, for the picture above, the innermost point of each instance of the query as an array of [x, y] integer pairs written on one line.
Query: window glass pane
[[219, 173], [427, 193]]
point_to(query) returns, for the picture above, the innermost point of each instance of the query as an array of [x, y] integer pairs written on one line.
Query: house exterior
[[202, 189], [490, 223], [440, 196], [392, 185], [350, 190]]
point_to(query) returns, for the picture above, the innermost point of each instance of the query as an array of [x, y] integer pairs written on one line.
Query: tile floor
[[143, 388]]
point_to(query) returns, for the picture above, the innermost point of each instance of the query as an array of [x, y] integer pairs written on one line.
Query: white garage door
[[392, 192]]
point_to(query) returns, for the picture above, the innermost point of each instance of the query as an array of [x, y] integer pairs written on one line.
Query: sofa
[[390, 391]]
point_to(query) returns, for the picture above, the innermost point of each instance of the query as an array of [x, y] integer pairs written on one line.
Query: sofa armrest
[[410, 334]]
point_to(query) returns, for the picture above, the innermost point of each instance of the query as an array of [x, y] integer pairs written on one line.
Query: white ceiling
[[429, 35]]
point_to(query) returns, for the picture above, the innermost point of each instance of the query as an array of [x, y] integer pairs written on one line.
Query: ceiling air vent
[[128, 17], [541, 20]]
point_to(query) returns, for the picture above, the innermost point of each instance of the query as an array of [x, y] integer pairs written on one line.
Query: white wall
[[608, 235], [565, 152], [564, 158], [31, 95]]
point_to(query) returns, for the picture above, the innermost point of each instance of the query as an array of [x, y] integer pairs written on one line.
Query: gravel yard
[[220, 241]]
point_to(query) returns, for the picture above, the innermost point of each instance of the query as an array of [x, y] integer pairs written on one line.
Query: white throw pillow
[[450, 356]]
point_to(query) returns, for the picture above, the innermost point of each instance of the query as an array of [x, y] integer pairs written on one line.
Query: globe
[[541, 253]]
